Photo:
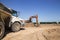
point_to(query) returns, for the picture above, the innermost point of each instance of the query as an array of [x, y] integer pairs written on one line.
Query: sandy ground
[[43, 32]]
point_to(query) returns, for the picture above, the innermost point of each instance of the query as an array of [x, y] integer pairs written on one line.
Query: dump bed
[[5, 18], [4, 12]]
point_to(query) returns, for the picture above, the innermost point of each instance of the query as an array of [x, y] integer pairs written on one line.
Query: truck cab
[[15, 22]]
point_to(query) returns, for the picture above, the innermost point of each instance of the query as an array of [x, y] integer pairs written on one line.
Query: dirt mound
[[29, 25], [50, 32]]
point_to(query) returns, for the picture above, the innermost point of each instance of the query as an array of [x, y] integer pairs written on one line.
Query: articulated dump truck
[[9, 20]]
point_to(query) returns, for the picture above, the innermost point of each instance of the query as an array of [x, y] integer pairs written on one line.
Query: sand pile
[[35, 33], [29, 25]]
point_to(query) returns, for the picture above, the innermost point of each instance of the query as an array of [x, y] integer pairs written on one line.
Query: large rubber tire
[[16, 26], [2, 30]]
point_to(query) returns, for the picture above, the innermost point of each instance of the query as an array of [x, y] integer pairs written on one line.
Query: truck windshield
[[14, 14]]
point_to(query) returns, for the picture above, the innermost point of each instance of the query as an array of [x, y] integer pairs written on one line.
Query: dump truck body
[[4, 15], [9, 19], [3, 22]]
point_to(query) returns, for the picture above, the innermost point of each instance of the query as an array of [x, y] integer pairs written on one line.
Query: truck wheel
[[16, 26], [2, 30]]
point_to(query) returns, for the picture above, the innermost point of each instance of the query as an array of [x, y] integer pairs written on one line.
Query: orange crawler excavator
[[30, 19]]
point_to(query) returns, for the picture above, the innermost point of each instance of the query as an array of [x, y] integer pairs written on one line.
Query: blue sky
[[47, 10]]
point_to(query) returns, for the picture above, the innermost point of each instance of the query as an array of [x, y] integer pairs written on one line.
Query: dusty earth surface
[[43, 32]]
